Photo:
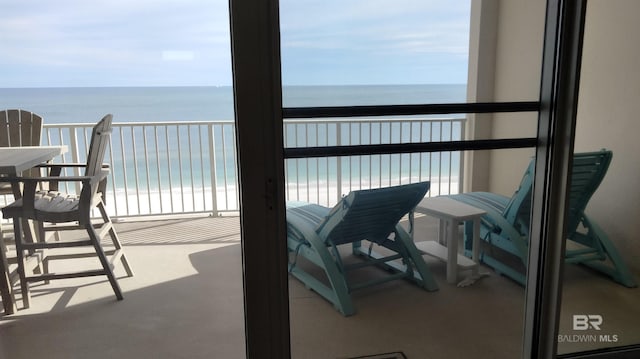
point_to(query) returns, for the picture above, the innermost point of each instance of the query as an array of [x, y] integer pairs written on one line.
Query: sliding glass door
[[316, 152], [379, 100]]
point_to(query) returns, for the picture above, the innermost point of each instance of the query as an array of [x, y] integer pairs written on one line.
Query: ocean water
[[143, 104], [164, 163]]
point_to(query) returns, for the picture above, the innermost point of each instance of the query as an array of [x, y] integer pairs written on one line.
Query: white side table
[[450, 213]]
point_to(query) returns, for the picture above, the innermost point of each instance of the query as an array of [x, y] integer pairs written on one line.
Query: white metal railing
[[325, 180], [161, 167], [190, 167]]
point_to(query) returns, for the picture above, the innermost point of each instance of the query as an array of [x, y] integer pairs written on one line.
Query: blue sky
[[66, 43]]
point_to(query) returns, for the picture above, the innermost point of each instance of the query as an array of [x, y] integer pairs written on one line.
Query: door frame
[[255, 45]]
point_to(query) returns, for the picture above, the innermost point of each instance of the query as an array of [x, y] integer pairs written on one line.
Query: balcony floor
[[185, 301]]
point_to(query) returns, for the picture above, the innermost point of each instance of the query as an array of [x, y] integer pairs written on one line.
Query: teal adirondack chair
[[315, 232], [505, 227]]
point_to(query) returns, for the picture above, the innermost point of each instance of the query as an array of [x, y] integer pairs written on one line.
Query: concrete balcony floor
[[186, 301]]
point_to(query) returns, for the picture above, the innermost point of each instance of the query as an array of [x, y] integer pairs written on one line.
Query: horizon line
[[227, 86]]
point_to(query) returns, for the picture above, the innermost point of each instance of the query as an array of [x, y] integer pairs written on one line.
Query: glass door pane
[[357, 53], [599, 299]]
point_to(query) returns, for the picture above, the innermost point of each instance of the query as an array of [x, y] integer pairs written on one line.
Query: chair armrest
[[61, 164], [55, 169], [30, 183]]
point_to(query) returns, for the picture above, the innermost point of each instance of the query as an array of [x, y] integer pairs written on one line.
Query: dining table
[[14, 161]]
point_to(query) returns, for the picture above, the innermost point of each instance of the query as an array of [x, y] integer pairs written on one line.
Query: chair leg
[[24, 285], [108, 271], [42, 266], [618, 269], [115, 240], [6, 289], [413, 255]]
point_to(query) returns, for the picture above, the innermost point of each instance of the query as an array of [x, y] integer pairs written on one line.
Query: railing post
[[235, 168], [75, 157], [136, 175], [212, 166], [463, 124], [124, 169], [338, 161]]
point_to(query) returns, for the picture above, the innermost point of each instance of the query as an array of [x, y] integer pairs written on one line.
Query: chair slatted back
[[20, 128], [370, 214], [100, 136], [587, 172], [518, 210]]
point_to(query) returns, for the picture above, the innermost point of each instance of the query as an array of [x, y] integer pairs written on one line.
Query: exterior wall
[[518, 71], [608, 116], [505, 61], [480, 84]]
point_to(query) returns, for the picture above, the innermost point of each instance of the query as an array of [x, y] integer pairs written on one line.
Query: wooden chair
[[19, 128], [69, 212], [505, 227], [315, 232]]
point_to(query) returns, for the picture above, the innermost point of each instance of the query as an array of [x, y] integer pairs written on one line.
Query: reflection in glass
[[600, 311]]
